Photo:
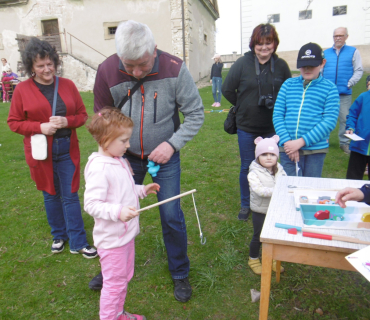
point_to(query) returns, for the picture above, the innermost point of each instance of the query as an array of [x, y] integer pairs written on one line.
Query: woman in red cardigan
[[58, 176]]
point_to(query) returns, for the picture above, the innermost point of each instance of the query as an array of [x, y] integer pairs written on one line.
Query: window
[[337, 11], [50, 27], [112, 30], [305, 14], [273, 18], [8, 3]]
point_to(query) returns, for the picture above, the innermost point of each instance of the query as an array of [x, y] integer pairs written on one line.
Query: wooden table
[[278, 245]]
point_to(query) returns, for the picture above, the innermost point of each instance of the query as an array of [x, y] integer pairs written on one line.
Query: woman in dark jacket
[[58, 176], [252, 85], [216, 80]]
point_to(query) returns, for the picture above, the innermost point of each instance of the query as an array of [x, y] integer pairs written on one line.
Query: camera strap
[[258, 72]]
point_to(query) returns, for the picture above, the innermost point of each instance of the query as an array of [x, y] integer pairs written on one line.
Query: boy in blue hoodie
[[358, 123], [306, 111]]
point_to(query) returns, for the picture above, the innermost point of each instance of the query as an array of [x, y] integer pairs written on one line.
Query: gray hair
[[133, 40], [341, 28]]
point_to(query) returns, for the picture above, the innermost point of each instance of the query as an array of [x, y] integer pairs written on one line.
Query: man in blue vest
[[344, 68]]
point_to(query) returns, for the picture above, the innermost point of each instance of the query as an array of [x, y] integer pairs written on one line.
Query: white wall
[[294, 33]]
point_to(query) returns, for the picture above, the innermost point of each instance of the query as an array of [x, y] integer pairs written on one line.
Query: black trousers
[[255, 245], [356, 166]]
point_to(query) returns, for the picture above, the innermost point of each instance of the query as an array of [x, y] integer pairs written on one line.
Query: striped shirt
[[308, 112]]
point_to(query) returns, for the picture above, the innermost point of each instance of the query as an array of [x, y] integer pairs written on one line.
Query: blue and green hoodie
[[358, 121], [308, 112]]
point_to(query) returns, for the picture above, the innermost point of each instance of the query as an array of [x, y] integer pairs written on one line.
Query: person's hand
[[162, 154], [293, 145], [152, 188], [127, 213], [348, 194], [210, 81], [349, 131], [294, 156], [48, 128], [60, 122]]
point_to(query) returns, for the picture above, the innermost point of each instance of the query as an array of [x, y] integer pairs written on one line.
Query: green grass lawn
[[34, 284]]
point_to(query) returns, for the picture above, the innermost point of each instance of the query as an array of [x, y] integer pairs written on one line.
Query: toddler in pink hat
[[262, 176]]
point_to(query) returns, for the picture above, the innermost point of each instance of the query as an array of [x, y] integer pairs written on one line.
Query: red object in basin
[[322, 214]]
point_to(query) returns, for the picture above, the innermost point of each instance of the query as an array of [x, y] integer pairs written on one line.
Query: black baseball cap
[[311, 55]]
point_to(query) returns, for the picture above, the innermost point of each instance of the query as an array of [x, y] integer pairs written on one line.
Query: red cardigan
[[28, 110]]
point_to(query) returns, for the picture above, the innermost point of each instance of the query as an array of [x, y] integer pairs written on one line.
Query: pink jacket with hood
[[109, 187]]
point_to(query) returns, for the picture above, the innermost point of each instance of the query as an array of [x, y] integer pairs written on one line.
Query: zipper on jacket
[[300, 108], [336, 70], [155, 107], [142, 121], [129, 99]]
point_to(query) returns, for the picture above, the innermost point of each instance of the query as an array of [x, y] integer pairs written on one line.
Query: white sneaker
[[87, 252], [57, 246]]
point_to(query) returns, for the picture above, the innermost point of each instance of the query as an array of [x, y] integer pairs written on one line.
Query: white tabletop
[[282, 210]]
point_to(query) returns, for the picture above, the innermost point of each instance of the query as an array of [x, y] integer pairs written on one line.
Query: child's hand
[[127, 213], [294, 156], [293, 145], [152, 188], [349, 131]]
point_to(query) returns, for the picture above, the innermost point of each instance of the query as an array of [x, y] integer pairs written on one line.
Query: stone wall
[[82, 75]]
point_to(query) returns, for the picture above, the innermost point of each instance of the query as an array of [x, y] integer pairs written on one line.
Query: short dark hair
[[264, 32], [37, 48]]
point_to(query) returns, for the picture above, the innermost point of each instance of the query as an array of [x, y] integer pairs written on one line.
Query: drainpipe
[[183, 30], [241, 28]]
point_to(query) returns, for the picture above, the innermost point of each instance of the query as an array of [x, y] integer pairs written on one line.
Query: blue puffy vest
[[339, 68]]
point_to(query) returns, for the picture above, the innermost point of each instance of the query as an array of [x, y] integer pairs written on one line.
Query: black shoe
[[244, 214], [97, 282], [182, 290]]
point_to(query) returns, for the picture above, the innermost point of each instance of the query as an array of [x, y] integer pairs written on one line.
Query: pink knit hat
[[268, 145]]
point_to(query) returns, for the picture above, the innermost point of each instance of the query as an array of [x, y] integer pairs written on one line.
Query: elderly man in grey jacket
[[154, 87]]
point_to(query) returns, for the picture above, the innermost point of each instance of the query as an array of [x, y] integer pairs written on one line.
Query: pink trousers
[[117, 266]]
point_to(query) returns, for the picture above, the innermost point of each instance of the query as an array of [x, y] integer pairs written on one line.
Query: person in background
[[165, 88], [358, 122], [344, 68], [5, 65], [6, 80], [58, 176], [353, 194], [263, 173], [216, 80], [306, 111], [252, 85]]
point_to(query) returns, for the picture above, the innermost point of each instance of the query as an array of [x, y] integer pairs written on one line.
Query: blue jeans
[[172, 217], [345, 105], [309, 165], [216, 88], [247, 155], [63, 209]]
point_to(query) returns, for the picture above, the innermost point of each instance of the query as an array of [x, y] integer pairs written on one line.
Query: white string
[[200, 229]]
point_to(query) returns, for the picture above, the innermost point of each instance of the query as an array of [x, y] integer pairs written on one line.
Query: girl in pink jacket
[[112, 198]]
